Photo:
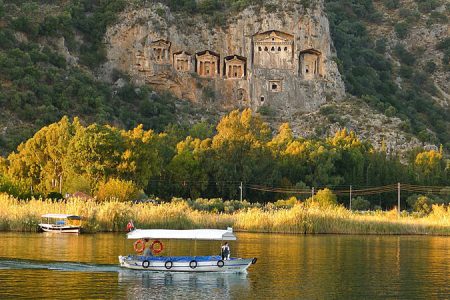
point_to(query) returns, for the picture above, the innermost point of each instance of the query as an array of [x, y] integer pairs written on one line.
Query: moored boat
[[62, 223], [211, 263]]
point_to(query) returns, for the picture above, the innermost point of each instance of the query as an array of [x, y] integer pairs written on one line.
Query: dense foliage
[[369, 74], [38, 86], [111, 163]]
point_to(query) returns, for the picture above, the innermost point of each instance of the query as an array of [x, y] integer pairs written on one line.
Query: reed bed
[[16, 215]]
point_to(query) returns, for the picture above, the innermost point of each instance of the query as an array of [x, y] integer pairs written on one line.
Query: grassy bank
[[18, 215]]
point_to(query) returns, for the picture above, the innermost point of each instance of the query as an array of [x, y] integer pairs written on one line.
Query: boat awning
[[192, 234], [61, 216]]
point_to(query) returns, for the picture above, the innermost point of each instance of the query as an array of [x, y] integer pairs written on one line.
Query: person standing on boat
[[225, 251], [147, 251], [130, 226]]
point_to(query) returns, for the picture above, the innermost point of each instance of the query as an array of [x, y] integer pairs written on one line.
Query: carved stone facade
[[277, 70], [310, 64], [160, 50], [235, 67], [279, 60], [207, 64], [273, 49], [182, 61]]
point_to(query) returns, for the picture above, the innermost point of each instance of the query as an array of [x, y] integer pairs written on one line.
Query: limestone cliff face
[[283, 60]]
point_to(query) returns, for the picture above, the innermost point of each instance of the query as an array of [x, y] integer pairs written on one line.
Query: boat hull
[[186, 264], [59, 228]]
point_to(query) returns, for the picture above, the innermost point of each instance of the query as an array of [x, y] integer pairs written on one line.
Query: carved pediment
[[182, 54], [207, 55], [311, 51], [273, 37], [235, 59], [160, 43]]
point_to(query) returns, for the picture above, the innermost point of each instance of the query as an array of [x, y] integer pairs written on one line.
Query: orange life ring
[[157, 250], [139, 246]]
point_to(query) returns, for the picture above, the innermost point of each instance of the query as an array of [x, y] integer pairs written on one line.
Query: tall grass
[[303, 218]]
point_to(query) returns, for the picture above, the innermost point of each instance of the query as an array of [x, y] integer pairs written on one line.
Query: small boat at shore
[[212, 263], [61, 223]]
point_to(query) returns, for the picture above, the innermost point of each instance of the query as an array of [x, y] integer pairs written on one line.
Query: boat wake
[[25, 264]]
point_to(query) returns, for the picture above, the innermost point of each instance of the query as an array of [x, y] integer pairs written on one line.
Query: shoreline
[[302, 218]]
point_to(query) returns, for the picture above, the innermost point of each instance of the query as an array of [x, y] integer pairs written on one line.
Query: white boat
[[213, 263], [62, 223]]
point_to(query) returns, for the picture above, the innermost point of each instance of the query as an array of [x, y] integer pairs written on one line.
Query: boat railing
[[177, 258]]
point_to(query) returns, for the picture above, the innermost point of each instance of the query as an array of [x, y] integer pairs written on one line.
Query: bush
[[401, 29], [324, 198], [55, 196], [427, 6], [11, 188], [117, 190], [404, 55], [211, 205], [231, 206], [286, 203], [430, 67], [423, 205], [359, 203], [391, 4], [25, 25], [390, 111]]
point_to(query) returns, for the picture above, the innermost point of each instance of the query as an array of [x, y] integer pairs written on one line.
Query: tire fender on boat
[[145, 264], [254, 260], [193, 264], [139, 246], [168, 264], [220, 263]]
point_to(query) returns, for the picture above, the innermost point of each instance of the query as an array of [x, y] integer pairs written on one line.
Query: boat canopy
[[192, 234], [61, 216]]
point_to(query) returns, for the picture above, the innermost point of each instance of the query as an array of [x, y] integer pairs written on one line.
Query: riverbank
[[302, 218]]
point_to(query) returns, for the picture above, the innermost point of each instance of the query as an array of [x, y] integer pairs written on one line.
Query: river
[[42, 265]]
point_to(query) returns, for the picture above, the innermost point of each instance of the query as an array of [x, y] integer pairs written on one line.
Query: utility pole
[[240, 187], [350, 197], [312, 194], [398, 199]]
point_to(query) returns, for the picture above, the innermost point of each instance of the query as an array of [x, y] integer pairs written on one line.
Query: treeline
[[201, 162]]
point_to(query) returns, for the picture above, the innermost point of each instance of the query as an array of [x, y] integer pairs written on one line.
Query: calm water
[[288, 267]]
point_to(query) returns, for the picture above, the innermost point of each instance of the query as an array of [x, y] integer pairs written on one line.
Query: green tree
[[96, 151], [139, 160], [429, 166], [39, 161], [240, 151], [352, 155], [187, 167]]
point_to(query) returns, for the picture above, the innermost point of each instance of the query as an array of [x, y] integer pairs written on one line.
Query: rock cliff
[[282, 60]]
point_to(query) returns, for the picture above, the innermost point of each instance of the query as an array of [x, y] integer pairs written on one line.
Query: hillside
[[63, 58], [49, 55]]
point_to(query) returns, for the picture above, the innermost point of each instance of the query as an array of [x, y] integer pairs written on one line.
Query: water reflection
[[288, 267], [163, 285]]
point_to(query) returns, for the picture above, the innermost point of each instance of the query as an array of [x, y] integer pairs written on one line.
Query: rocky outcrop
[[282, 60]]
